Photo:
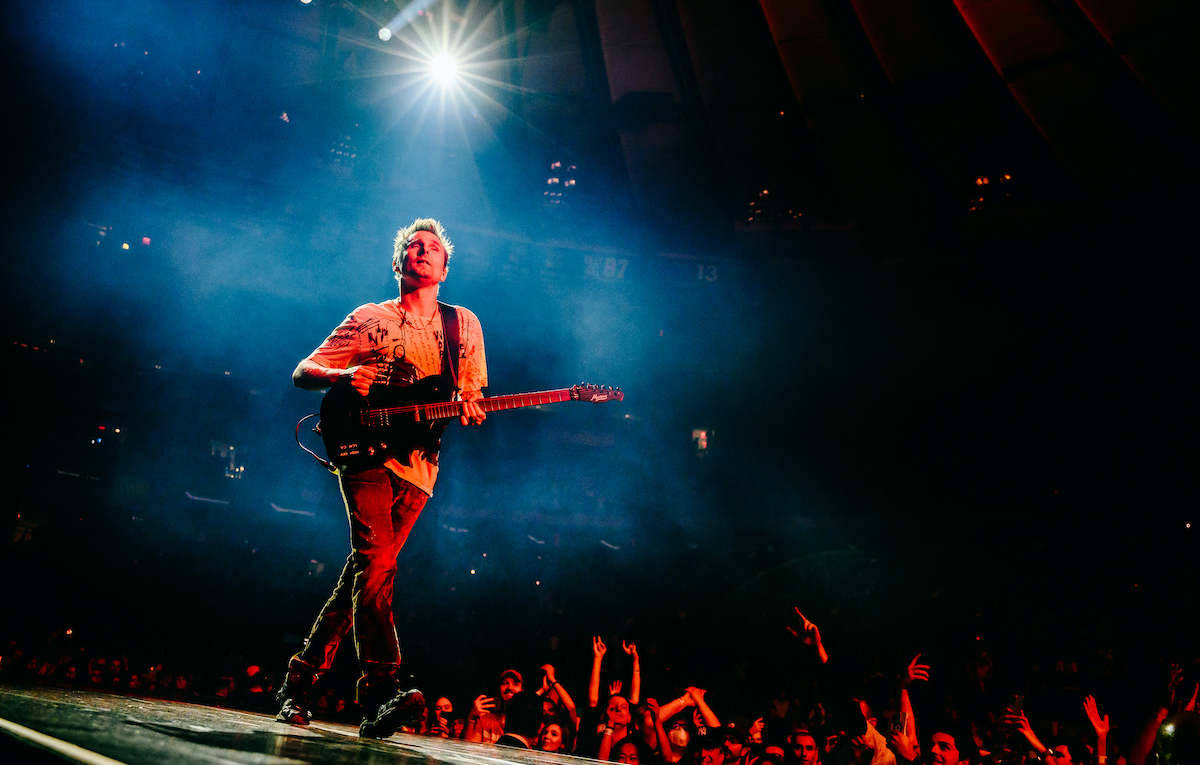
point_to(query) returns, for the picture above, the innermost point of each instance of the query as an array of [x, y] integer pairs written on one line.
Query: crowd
[[834, 717]]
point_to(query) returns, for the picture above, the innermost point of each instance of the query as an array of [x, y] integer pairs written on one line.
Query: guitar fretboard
[[446, 409]]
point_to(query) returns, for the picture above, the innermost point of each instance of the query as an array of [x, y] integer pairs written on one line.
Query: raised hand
[[598, 647], [754, 735], [630, 648], [549, 670], [1019, 723], [915, 672], [483, 703], [1099, 725], [614, 688], [1191, 705], [810, 635], [697, 694], [652, 706]]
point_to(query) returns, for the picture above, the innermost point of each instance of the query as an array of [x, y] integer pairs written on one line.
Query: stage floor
[[103, 729]]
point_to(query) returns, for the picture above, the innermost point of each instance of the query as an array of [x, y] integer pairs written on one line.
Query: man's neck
[[522, 739], [421, 301]]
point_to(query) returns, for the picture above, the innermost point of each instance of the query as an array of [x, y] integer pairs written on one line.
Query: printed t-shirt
[[387, 337]]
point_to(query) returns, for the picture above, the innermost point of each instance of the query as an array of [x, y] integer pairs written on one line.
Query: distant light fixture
[[125, 246], [305, 2], [385, 34], [443, 68]]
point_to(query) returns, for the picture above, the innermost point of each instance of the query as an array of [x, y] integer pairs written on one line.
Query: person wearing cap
[[735, 741], [484, 723], [712, 749]]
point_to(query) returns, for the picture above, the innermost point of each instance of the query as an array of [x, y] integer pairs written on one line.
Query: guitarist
[[396, 342]]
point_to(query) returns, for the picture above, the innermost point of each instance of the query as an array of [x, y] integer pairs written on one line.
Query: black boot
[[294, 697], [385, 708]]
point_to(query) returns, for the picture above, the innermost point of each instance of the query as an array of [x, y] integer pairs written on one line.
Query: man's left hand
[[473, 414]]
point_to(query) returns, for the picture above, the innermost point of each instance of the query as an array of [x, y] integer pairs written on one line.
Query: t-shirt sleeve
[[340, 349], [472, 364]]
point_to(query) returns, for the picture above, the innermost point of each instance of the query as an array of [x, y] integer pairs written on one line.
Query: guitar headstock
[[596, 394]]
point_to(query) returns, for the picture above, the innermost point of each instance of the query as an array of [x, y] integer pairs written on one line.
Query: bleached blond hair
[[406, 233]]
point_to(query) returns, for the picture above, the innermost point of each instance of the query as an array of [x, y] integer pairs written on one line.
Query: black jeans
[[382, 509]]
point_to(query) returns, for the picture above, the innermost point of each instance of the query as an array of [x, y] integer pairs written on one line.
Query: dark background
[[942, 415]]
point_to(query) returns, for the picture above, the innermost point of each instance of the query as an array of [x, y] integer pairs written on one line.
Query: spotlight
[[385, 34], [443, 68]]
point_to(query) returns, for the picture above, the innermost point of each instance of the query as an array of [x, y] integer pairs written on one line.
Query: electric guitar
[[362, 432]]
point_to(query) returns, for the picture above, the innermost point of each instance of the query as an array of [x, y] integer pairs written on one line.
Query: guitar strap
[[453, 351]]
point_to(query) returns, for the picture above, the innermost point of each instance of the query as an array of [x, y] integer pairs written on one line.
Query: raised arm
[[1144, 743], [598, 651], [904, 741], [635, 683], [563, 696], [675, 706], [649, 723], [810, 635], [710, 718], [1100, 725], [663, 743], [474, 731], [1018, 722]]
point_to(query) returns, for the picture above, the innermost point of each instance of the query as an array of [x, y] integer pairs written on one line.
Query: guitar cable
[[332, 468]]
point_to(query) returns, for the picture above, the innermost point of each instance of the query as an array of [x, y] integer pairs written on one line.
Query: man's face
[[804, 747], [443, 707], [712, 756], [424, 260], [618, 711], [509, 685], [1062, 754], [944, 750], [733, 748]]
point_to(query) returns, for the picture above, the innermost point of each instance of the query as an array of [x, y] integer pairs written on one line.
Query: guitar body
[[358, 437]]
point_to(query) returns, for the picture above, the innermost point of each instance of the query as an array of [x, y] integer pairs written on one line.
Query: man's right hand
[[359, 378], [483, 703], [915, 672]]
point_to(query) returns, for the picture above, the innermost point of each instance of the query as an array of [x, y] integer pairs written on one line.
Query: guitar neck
[[447, 409]]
